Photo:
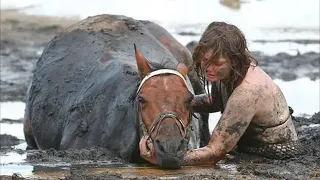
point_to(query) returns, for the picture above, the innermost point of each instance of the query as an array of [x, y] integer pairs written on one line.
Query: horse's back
[[85, 78]]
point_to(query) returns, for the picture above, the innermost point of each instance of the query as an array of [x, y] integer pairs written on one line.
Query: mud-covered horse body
[[84, 85]]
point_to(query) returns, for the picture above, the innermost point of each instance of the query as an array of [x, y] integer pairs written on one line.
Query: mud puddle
[[48, 165]]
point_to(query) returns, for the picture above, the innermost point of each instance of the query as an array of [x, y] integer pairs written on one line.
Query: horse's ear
[[182, 69], [142, 63]]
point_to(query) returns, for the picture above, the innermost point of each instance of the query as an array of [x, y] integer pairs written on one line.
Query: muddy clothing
[[285, 144], [278, 141]]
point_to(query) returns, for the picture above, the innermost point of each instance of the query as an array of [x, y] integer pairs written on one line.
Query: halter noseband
[[162, 116]]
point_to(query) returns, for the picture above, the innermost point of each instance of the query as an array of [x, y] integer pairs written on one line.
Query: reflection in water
[[126, 170], [24, 170], [12, 162], [154, 171], [12, 157], [12, 129], [11, 110]]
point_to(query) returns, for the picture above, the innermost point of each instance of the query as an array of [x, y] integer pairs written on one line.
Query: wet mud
[[22, 40], [92, 155], [98, 163], [11, 121], [7, 140]]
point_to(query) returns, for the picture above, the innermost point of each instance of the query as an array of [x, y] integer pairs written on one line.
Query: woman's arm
[[239, 111]]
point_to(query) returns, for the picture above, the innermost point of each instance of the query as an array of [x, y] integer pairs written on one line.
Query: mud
[[22, 40], [9, 140], [91, 155], [10, 121], [97, 163]]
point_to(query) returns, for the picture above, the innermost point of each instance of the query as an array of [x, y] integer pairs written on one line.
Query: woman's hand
[[147, 150], [208, 103], [201, 156]]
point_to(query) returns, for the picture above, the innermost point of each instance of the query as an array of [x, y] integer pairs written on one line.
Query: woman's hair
[[228, 41]]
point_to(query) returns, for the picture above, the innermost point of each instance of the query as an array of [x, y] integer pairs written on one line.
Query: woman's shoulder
[[256, 78]]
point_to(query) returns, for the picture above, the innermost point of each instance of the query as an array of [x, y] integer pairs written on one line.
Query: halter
[[167, 114], [162, 71]]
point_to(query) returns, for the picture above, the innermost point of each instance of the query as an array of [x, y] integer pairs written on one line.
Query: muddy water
[[124, 170], [94, 162]]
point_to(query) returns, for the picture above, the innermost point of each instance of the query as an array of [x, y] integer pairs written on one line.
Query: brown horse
[[91, 87], [163, 98]]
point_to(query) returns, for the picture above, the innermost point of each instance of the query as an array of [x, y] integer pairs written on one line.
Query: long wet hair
[[228, 41]]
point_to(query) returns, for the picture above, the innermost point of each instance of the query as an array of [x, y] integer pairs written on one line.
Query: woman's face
[[218, 69]]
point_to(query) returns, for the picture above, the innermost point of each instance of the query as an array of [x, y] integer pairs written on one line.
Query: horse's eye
[[141, 99]]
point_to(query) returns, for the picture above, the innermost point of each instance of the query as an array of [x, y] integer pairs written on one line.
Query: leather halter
[[143, 129]]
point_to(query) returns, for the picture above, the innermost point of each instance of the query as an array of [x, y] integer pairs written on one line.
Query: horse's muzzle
[[170, 152]]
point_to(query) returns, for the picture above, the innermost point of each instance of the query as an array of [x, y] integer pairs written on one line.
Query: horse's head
[[162, 106]]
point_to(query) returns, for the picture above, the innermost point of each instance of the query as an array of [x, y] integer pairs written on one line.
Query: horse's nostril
[[181, 146], [160, 146]]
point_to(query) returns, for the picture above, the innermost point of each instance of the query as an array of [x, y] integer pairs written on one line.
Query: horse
[[109, 79]]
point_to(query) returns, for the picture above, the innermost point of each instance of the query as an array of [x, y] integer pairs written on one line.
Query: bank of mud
[[97, 163], [24, 37]]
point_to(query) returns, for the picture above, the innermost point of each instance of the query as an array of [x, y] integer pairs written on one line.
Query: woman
[[255, 115]]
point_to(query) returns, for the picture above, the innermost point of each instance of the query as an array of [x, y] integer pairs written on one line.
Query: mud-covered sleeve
[[208, 103]]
